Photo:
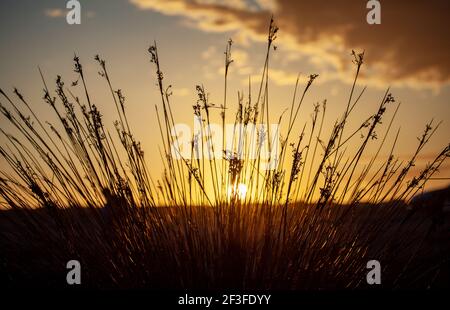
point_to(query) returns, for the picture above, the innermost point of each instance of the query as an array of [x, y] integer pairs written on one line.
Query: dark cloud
[[410, 45], [411, 41]]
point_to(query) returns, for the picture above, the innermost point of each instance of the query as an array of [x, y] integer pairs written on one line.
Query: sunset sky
[[409, 51]]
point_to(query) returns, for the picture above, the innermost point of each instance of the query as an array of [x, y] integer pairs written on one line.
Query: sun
[[242, 191], [239, 191]]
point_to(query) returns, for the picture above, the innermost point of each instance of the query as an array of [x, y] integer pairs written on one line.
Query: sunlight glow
[[239, 191]]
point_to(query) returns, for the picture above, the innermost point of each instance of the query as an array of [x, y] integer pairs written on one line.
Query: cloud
[[59, 13], [54, 13], [214, 63], [279, 77], [409, 48]]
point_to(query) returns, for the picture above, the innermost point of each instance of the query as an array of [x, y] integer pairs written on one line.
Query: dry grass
[[312, 222]]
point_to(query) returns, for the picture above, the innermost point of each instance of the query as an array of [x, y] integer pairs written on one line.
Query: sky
[[407, 52]]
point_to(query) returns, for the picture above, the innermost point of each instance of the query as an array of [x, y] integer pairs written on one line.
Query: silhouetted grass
[[311, 222]]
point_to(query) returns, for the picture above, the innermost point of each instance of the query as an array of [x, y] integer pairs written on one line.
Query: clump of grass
[[311, 222]]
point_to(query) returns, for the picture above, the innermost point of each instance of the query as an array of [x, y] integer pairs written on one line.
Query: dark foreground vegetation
[[328, 249], [71, 191]]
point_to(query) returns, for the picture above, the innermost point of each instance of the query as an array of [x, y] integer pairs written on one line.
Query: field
[[129, 252]]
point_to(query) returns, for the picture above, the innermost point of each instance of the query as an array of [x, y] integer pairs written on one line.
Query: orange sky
[[408, 52]]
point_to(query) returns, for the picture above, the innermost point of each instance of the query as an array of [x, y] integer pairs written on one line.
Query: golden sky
[[408, 52]]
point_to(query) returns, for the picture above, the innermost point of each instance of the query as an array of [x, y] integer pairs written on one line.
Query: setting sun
[[239, 191]]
